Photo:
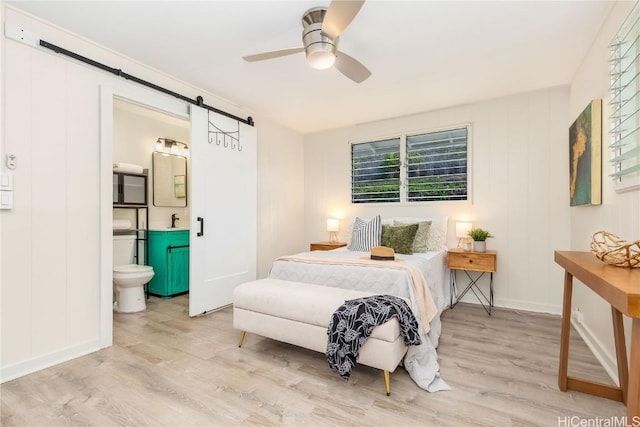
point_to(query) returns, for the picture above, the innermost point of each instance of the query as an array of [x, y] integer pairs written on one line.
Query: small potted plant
[[479, 237]]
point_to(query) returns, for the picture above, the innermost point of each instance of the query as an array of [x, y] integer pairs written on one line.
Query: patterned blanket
[[353, 322]]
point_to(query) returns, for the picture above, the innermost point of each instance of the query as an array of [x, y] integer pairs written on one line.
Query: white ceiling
[[424, 55]]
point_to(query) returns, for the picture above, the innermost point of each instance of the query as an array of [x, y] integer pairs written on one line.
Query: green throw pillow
[[399, 237], [420, 243]]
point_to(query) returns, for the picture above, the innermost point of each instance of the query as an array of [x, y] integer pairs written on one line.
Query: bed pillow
[[437, 234], [365, 234], [399, 237], [420, 242]]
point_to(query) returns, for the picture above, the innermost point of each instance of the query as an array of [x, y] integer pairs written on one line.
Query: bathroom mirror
[[169, 180]]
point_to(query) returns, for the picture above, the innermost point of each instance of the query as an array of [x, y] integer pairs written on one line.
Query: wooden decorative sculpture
[[613, 250]]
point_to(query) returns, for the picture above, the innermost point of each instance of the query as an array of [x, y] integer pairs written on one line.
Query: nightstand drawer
[[473, 261]]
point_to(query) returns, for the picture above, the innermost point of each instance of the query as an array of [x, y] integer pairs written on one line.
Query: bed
[[333, 268]]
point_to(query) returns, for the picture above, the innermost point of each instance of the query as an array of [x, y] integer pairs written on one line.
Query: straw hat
[[382, 253]]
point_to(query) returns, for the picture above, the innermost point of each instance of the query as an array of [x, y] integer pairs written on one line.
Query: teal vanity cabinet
[[169, 257]]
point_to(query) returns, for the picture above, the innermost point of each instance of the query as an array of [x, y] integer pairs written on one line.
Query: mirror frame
[[183, 184]]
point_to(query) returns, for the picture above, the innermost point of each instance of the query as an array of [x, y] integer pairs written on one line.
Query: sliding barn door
[[223, 209]]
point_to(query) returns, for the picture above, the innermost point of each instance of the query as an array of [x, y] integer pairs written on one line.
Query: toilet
[[128, 278]]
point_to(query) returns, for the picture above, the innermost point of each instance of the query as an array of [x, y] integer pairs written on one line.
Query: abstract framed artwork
[[585, 156]]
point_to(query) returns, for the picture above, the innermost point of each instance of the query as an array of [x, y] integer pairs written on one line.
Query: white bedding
[[421, 361], [432, 264]]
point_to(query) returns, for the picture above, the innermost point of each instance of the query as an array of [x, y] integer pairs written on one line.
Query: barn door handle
[[201, 232]]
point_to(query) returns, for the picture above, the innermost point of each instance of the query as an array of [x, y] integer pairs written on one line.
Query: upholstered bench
[[299, 314]]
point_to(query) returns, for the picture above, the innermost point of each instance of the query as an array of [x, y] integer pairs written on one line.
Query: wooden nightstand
[[480, 262], [326, 246]]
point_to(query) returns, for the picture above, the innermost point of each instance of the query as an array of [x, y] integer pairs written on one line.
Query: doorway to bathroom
[[151, 147], [131, 121], [220, 187]]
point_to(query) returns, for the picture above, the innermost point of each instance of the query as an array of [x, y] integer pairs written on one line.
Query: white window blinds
[[375, 171], [424, 167], [437, 166], [625, 104]]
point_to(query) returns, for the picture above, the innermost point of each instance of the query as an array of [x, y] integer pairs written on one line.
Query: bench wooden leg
[[242, 334], [387, 383]]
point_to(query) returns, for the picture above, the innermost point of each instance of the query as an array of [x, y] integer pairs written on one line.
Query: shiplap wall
[[619, 212], [280, 194], [519, 178], [50, 269]]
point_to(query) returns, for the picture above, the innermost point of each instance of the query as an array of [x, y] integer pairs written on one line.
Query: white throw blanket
[[421, 361]]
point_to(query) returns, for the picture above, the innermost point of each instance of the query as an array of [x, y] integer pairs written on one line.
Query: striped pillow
[[366, 234]]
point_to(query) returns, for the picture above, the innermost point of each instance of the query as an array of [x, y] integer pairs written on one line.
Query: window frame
[[624, 103], [402, 136]]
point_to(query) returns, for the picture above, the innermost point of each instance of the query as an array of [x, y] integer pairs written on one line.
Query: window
[[375, 171], [625, 104], [435, 168]]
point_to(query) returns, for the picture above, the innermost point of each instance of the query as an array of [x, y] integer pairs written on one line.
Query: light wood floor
[[167, 369]]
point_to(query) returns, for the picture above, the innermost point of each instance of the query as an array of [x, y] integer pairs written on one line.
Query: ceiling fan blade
[[339, 16], [272, 54], [351, 67]]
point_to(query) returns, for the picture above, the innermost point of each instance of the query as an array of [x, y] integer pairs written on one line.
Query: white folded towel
[[127, 168], [121, 224]]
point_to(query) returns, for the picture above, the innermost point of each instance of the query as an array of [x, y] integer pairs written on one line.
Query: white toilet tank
[[124, 249]]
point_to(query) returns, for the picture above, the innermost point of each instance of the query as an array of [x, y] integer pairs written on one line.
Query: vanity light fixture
[[159, 146], [173, 147]]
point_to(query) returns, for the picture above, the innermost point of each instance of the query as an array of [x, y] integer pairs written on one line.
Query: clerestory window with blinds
[[625, 104], [437, 166], [423, 167], [375, 171]]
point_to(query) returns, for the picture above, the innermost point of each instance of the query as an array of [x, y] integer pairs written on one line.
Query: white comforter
[[421, 361]]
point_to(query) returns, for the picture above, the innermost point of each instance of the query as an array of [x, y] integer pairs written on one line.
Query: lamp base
[[333, 237]]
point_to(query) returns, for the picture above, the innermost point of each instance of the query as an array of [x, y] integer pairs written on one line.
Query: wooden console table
[[620, 287]]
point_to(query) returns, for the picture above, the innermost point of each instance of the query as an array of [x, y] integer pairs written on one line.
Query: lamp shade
[[159, 147], [462, 229], [333, 224]]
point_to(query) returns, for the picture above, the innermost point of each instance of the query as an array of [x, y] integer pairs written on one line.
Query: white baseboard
[[529, 306], [25, 367], [518, 305]]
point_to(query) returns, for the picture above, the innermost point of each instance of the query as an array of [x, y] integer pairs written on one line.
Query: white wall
[[619, 212], [280, 194], [51, 263], [519, 167]]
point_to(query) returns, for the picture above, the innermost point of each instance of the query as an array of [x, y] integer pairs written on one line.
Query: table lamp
[[462, 231], [333, 225]]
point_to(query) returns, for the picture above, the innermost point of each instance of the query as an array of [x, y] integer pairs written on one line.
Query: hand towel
[[127, 168]]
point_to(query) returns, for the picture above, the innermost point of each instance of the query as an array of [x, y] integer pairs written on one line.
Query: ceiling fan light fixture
[[321, 29], [321, 57]]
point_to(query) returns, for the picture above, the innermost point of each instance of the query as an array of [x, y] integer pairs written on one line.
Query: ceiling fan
[[321, 30]]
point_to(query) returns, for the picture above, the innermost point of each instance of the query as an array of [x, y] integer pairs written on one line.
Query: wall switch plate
[[6, 199], [6, 182]]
